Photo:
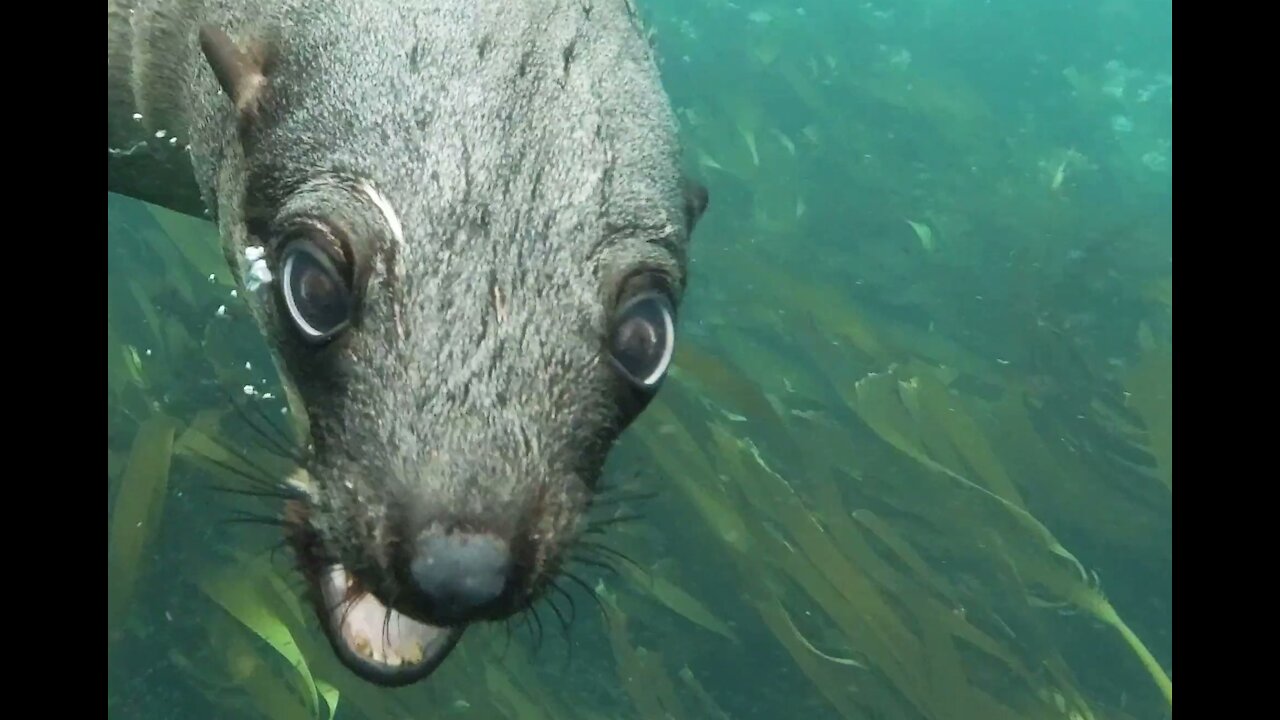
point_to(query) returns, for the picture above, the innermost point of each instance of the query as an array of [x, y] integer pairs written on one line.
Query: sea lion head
[[471, 233]]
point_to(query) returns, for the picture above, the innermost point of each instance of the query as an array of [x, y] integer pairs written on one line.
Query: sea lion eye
[[643, 338], [318, 299]]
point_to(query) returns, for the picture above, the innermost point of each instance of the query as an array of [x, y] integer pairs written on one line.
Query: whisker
[[506, 646], [285, 439], [240, 512], [564, 624], [564, 628], [533, 609], [601, 500], [386, 628], [351, 599], [599, 548], [573, 610], [277, 495], [346, 611], [254, 520], [281, 448], [596, 526], [594, 563], [265, 476], [257, 480], [618, 483], [276, 547], [590, 593], [620, 492], [528, 624]]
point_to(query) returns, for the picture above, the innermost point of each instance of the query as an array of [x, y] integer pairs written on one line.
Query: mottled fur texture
[[530, 156]]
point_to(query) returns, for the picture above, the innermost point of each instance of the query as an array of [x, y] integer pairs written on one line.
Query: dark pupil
[[316, 295], [640, 339]]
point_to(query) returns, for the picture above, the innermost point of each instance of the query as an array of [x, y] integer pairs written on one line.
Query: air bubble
[[259, 275]]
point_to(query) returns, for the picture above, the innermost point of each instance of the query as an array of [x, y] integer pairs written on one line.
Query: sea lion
[[463, 230]]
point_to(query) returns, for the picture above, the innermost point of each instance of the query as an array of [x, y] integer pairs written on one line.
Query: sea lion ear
[[240, 74], [696, 199]]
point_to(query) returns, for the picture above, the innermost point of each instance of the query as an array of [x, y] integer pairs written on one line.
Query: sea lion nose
[[460, 573]]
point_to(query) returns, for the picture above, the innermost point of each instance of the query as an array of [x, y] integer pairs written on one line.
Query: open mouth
[[377, 643]]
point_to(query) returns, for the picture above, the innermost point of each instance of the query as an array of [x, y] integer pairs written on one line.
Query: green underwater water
[[915, 456]]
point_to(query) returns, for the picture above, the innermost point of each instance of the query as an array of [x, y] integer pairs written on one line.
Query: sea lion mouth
[[376, 642]]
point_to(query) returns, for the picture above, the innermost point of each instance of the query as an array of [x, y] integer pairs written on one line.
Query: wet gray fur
[[531, 157]]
